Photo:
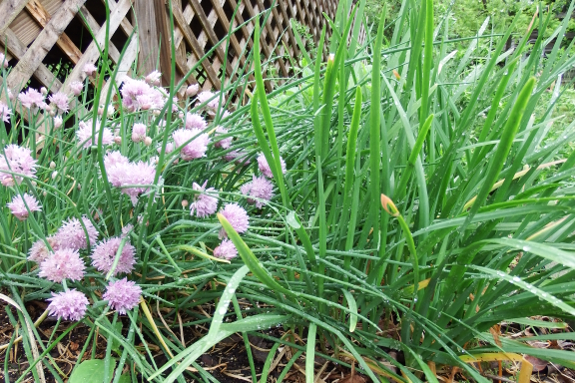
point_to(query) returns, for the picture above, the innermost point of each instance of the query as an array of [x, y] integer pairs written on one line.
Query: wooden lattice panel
[[39, 35]]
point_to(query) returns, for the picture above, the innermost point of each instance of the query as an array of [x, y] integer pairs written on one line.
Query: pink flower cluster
[[205, 202], [18, 160], [193, 143], [32, 99], [5, 112], [59, 102], [123, 295], [139, 95], [258, 191], [265, 167], [22, 205], [85, 137], [125, 174], [104, 255]]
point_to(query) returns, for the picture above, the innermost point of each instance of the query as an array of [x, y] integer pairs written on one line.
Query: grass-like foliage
[[391, 197]]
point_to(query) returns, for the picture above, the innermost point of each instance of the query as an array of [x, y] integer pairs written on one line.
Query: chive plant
[[396, 186]]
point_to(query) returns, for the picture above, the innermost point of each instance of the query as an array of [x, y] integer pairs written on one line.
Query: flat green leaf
[[91, 371]]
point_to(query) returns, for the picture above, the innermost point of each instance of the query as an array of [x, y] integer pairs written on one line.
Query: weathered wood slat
[[90, 22], [42, 45], [10, 9], [42, 16]]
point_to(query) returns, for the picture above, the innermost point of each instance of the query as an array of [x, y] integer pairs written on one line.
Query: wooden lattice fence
[[41, 35]]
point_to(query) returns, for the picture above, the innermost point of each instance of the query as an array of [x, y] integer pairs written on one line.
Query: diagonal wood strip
[[92, 25], [196, 48], [92, 53], [42, 45], [41, 15], [10, 8]]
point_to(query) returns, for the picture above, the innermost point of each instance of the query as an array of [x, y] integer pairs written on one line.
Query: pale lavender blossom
[[63, 264], [123, 173], [194, 143], [236, 216], [89, 69], [5, 112], [265, 167], [205, 202], [86, 139], [226, 250], [138, 132], [58, 121], [137, 94], [211, 100], [76, 87], [39, 252], [122, 295], [17, 160], [32, 99], [18, 206], [192, 90], [105, 252], [60, 101], [223, 143], [154, 78], [259, 191], [241, 157], [195, 121], [72, 235], [68, 305], [3, 60]]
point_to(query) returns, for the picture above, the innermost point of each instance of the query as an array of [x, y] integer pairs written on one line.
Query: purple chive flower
[[241, 157], [18, 206], [32, 99], [3, 60], [122, 295], [138, 132], [89, 69], [196, 148], [258, 191], [76, 87], [71, 234], [68, 305], [226, 250], [192, 90], [58, 121], [105, 252], [17, 160], [265, 167], [137, 94], [236, 216], [205, 203], [39, 252], [5, 112], [195, 121], [60, 101], [121, 172], [63, 264], [154, 78], [223, 143], [84, 135]]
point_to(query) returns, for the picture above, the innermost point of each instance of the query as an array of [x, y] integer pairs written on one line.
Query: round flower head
[[192, 90], [258, 191], [196, 148], [39, 252], [60, 101], [122, 295], [223, 143], [236, 216], [121, 172], [87, 139], [76, 87], [5, 112], [18, 206], [72, 235], [154, 78], [205, 203], [89, 69], [137, 94], [16, 160], [3, 60], [32, 99], [105, 252], [138, 132], [226, 250], [265, 167], [68, 305], [63, 264], [195, 121]]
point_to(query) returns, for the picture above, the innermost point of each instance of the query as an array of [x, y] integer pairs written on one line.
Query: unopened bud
[[118, 140], [52, 165], [148, 141], [44, 91], [54, 174], [185, 203]]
